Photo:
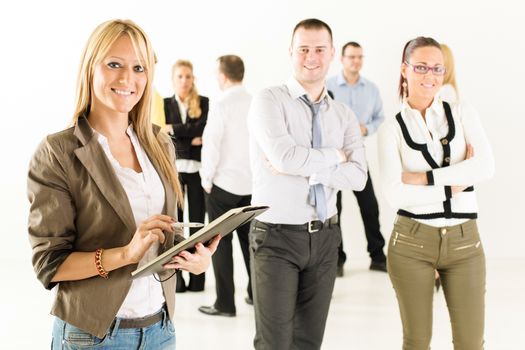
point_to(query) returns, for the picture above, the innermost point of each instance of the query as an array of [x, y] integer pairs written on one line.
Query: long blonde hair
[[96, 48], [450, 74], [193, 100]]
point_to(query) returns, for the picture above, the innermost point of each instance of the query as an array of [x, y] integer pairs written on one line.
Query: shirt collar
[[179, 101], [435, 107], [104, 140], [296, 90]]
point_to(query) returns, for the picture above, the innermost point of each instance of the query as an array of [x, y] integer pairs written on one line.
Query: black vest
[[183, 133]]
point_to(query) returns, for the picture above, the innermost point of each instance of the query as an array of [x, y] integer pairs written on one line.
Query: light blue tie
[[316, 195]]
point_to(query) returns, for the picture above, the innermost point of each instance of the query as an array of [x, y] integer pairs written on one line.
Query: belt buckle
[[311, 229]]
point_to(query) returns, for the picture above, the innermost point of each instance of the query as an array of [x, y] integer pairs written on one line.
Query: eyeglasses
[[423, 69], [352, 57]]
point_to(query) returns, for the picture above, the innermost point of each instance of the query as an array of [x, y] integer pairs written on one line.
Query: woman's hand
[[148, 232], [470, 152], [196, 141], [197, 262]]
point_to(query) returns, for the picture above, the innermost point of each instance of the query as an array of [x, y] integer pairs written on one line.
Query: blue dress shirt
[[363, 98]]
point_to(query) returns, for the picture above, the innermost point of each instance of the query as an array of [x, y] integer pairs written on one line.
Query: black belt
[[142, 322], [310, 226]]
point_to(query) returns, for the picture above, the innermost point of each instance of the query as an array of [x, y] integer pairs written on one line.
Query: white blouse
[[146, 196], [396, 156]]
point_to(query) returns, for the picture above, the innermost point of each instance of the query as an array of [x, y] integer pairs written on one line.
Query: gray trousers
[[414, 252], [293, 275]]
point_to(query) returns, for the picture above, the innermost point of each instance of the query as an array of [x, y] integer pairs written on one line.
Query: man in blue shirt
[[363, 97]]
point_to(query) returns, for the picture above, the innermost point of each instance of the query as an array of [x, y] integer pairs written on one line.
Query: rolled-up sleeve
[[51, 225]]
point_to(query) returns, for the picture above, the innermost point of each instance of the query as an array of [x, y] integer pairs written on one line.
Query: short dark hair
[[232, 67], [350, 43], [409, 48], [313, 23]]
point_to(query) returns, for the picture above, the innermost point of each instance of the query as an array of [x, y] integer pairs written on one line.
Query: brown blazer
[[78, 204]]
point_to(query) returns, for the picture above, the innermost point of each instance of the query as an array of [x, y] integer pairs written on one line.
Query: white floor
[[363, 313]]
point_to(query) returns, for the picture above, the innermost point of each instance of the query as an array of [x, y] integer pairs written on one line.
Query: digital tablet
[[223, 225]]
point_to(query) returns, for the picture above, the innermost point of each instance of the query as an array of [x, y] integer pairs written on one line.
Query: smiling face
[[423, 87], [311, 53], [119, 79]]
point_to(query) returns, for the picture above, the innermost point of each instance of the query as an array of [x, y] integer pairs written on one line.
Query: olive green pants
[[415, 251]]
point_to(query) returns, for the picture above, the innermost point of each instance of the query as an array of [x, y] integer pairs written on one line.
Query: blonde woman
[[449, 90], [103, 196], [186, 114], [431, 154]]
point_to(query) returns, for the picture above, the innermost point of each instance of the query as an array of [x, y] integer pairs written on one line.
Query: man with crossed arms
[[304, 147]]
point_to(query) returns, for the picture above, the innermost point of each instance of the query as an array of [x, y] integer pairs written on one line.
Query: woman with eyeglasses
[[103, 197], [431, 155]]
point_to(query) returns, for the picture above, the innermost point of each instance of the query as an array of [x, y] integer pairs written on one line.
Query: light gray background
[[42, 42]]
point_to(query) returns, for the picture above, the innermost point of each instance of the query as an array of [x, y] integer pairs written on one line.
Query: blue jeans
[[160, 336]]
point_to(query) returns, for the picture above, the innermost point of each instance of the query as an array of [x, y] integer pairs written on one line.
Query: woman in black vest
[[186, 114]]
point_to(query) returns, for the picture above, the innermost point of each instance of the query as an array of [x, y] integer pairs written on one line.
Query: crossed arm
[[338, 168], [405, 188]]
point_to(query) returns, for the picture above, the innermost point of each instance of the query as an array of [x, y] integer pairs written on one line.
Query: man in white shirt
[[226, 176], [362, 96], [304, 147]]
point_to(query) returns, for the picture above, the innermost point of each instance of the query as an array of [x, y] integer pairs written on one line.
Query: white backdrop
[[42, 42]]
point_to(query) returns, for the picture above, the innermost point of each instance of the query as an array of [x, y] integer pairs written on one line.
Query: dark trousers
[[366, 199], [218, 202], [191, 186], [293, 275]]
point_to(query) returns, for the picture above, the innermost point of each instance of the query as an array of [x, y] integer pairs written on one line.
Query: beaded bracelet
[[98, 263]]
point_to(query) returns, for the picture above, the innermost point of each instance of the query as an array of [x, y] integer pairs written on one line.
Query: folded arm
[[195, 127], [397, 193], [474, 169], [351, 174], [268, 126]]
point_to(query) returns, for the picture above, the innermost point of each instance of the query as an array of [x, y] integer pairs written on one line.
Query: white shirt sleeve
[[211, 145], [398, 194], [267, 125], [473, 170]]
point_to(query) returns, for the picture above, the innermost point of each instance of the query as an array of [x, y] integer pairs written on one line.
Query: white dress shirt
[[225, 157], [396, 156], [146, 196], [280, 126]]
